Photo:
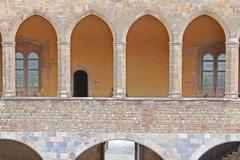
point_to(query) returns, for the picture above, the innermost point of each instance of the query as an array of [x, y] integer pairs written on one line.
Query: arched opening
[[36, 72], [80, 84], [226, 151], [12, 150], [147, 58], [92, 49], [119, 150], [204, 58]]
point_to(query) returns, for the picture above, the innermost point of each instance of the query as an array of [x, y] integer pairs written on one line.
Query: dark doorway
[[80, 84]]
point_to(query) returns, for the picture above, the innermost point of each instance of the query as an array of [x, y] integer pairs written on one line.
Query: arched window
[[33, 76], [213, 75], [19, 70], [27, 74], [208, 72]]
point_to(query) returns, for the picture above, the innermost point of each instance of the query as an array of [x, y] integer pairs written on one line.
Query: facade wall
[[68, 146], [175, 128]]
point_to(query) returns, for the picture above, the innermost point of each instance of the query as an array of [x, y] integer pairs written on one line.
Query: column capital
[[119, 43], [8, 43], [64, 43], [176, 43], [232, 43]]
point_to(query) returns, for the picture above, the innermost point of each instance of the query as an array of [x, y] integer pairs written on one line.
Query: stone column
[[119, 69], [138, 151], [64, 70], [8, 63], [175, 69], [231, 69]]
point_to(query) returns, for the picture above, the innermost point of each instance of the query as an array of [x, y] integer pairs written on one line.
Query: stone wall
[[111, 115], [176, 129], [68, 146]]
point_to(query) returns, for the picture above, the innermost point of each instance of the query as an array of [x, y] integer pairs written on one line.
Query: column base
[[175, 95], [119, 94], [231, 96], [64, 94], [8, 94]]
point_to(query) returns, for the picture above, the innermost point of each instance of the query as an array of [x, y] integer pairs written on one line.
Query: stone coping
[[148, 99]]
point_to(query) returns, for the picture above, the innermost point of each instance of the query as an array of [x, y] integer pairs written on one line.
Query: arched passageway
[[147, 58], [119, 150], [204, 58], [92, 51], [226, 151], [36, 58], [12, 150]]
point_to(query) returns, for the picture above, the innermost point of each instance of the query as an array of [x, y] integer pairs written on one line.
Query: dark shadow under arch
[[98, 151], [222, 150], [13, 150]]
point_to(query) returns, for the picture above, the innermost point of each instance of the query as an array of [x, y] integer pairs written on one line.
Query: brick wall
[[109, 115]]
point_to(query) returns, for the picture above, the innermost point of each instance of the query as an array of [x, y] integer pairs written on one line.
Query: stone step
[[233, 155], [225, 158]]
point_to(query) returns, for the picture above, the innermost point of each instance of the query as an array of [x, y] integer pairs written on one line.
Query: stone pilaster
[[119, 69], [175, 69], [8, 56], [64, 70], [231, 68]]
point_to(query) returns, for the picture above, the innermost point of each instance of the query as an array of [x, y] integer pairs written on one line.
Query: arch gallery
[[92, 45], [119, 79]]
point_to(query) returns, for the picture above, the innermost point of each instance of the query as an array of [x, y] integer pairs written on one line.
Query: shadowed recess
[[12, 150], [92, 52], [147, 58]]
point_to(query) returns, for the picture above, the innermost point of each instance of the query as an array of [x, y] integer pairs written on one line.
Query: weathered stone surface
[[176, 129]]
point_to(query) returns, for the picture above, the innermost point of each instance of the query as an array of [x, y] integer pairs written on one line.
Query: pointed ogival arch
[[159, 17], [41, 17], [22, 147], [91, 46], [75, 20], [211, 14], [163, 153], [37, 34], [211, 144], [21, 17], [147, 58], [203, 35]]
